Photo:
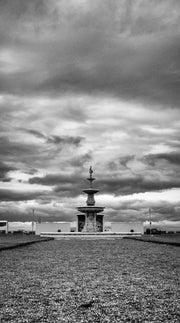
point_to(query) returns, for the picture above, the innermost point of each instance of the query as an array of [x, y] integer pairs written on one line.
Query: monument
[[89, 222], [90, 219]]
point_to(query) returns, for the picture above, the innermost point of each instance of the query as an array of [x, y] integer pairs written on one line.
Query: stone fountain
[[90, 219]]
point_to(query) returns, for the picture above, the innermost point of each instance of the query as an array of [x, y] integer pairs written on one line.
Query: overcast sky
[[90, 83]]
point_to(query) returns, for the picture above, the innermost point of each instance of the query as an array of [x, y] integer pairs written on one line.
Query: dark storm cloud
[[70, 185], [155, 175], [124, 160], [136, 184], [138, 210], [68, 190], [80, 160], [135, 174], [22, 154], [65, 140], [172, 158], [18, 8], [124, 48], [32, 171], [14, 213], [68, 179], [54, 179], [73, 77], [132, 71], [4, 170], [59, 140], [43, 215], [12, 195], [35, 133], [15, 148], [171, 212]]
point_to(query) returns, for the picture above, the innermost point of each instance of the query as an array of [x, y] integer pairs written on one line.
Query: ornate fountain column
[[90, 219]]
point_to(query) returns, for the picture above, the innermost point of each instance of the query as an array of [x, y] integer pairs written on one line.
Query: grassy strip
[[154, 240], [23, 244]]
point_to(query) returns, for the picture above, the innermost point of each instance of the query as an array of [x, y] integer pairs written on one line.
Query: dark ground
[[171, 239], [11, 241], [90, 281]]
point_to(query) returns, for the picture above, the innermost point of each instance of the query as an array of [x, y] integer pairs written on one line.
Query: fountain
[[90, 219]]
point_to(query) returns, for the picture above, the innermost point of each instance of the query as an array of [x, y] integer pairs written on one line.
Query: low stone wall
[[60, 235]]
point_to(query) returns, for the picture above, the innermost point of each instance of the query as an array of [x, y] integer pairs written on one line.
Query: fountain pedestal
[[90, 219]]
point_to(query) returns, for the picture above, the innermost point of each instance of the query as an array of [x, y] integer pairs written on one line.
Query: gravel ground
[[90, 281]]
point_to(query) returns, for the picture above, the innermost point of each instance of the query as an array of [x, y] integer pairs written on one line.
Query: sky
[[90, 83]]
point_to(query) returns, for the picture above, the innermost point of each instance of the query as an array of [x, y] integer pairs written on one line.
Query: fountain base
[[90, 222]]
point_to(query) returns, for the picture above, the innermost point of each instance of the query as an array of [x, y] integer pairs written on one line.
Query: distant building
[[53, 227], [4, 226], [127, 227]]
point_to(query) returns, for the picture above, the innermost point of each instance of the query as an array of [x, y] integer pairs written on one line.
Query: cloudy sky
[[90, 83]]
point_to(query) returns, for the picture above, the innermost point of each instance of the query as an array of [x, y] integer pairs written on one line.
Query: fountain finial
[[90, 179], [90, 171]]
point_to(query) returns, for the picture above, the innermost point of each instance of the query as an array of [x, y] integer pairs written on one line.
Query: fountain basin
[[89, 209], [90, 191]]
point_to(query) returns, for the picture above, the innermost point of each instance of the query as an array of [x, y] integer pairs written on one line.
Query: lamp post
[[150, 223], [33, 221]]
